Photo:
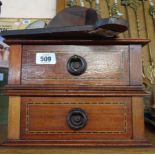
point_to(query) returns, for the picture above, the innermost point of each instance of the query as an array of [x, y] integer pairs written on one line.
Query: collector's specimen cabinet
[[76, 93]]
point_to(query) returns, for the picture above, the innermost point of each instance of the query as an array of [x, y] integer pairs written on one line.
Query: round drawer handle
[[77, 119], [76, 65]]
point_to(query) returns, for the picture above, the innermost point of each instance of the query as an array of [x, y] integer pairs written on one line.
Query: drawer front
[[58, 119], [108, 65]]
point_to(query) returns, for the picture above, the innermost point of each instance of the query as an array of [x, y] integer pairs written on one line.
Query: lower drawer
[[45, 118]]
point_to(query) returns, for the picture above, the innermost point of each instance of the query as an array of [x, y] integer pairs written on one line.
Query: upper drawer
[[89, 65]]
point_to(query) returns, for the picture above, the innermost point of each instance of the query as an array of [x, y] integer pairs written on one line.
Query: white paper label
[[26, 22], [45, 58], [1, 76]]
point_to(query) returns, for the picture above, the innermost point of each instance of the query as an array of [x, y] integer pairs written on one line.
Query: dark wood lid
[[80, 42]]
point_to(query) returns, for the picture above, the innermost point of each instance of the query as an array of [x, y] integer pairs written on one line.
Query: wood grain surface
[[110, 92], [105, 65], [75, 41], [138, 118], [15, 64], [45, 118], [136, 65], [14, 118]]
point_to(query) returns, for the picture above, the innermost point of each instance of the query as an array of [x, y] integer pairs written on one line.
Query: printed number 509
[[45, 59]]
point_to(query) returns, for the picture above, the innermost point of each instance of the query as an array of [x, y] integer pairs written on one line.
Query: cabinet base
[[119, 143]]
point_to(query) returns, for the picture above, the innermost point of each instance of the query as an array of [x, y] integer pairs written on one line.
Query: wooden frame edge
[[60, 5]]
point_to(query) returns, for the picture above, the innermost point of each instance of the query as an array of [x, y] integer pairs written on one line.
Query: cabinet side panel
[[14, 118], [15, 64], [138, 118], [135, 65]]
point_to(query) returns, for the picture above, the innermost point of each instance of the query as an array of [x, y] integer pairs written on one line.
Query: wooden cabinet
[[91, 94]]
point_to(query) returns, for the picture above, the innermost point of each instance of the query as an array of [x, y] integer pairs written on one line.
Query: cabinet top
[[79, 42]]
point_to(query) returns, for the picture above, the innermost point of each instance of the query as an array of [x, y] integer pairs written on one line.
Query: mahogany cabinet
[[76, 93]]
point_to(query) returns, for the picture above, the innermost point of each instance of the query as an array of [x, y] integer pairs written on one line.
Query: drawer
[[45, 118], [89, 65]]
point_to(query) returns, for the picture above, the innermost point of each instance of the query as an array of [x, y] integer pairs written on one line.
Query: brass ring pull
[[77, 119], [76, 65]]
